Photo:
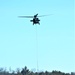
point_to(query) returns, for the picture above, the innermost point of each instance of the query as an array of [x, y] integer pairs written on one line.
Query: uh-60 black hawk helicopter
[[35, 19]]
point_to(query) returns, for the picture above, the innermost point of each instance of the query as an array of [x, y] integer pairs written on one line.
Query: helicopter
[[35, 19]]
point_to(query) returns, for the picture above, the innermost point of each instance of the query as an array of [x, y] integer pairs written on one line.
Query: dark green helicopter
[[35, 19]]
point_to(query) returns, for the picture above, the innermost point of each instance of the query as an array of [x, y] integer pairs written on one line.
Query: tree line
[[26, 71]]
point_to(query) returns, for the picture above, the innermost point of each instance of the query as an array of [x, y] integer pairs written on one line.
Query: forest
[[26, 71]]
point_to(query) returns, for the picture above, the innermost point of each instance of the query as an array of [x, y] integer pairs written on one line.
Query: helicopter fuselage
[[35, 20]]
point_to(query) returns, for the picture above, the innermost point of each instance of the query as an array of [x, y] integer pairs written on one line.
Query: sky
[[51, 42]]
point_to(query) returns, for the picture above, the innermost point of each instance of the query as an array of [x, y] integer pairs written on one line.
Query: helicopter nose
[[31, 20]]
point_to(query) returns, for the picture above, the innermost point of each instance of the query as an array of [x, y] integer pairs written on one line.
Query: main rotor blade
[[26, 16], [45, 15]]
